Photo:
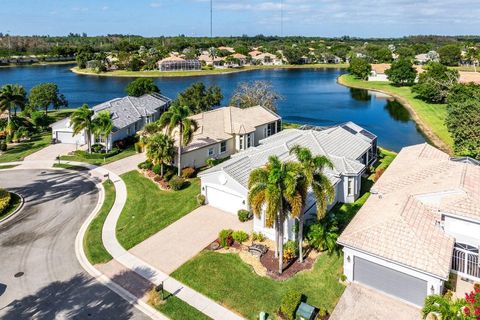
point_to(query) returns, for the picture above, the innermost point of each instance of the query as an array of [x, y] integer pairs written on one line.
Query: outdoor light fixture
[[432, 289], [348, 258]]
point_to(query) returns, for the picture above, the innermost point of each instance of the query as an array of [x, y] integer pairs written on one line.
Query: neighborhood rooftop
[[341, 144], [400, 221]]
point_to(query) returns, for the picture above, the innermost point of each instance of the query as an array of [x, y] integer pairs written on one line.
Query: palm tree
[[177, 117], [81, 119], [160, 150], [12, 96], [323, 191], [281, 188], [148, 130], [102, 125]]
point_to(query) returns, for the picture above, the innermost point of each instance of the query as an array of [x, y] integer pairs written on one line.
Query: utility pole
[[211, 18]]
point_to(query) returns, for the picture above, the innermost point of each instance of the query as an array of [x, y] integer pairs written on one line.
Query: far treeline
[[437, 84]]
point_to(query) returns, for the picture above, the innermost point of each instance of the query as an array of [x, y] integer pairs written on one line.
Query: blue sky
[[368, 18]]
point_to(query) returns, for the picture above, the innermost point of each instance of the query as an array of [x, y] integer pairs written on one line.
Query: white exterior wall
[[378, 77], [464, 231], [221, 181], [196, 158], [342, 189], [434, 284]]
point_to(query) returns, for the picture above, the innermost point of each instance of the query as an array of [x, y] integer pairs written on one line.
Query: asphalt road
[[40, 277]]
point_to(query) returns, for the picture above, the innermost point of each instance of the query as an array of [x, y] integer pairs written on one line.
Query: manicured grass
[[227, 279], [289, 125], [15, 201], [386, 157], [433, 115], [157, 73], [19, 151], [175, 308], [7, 166], [130, 151], [92, 242], [149, 209], [69, 167], [60, 114]]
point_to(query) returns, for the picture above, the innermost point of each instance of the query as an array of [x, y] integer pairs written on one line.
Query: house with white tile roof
[[421, 222], [350, 148]]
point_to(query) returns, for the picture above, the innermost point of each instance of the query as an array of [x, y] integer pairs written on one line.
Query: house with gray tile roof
[[351, 152], [421, 223], [129, 115]]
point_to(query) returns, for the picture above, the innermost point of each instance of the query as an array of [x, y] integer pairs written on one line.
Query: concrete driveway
[[126, 164], [40, 276], [171, 247], [359, 303], [52, 151]]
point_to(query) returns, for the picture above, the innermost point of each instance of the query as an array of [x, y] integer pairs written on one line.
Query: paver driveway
[[360, 303], [52, 151], [171, 247]]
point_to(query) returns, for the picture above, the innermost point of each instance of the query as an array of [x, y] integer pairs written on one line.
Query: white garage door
[[391, 281], [66, 137], [223, 200]]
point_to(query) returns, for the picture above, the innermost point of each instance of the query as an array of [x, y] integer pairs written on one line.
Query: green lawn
[[19, 151], [227, 279], [176, 308], [290, 125], [15, 201], [149, 209], [92, 242], [60, 114], [7, 166], [69, 167], [130, 151], [433, 115], [157, 73]]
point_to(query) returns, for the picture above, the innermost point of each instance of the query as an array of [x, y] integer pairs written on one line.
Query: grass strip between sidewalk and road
[[130, 151], [92, 242], [149, 209], [176, 308]]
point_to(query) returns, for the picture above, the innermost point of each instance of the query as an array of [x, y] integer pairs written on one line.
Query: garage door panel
[[67, 137], [390, 281], [223, 200]]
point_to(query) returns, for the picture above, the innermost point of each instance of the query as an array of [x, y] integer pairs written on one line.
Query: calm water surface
[[311, 96]]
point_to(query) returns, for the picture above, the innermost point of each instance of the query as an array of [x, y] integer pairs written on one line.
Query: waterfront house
[[267, 59], [351, 149], [378, 71], [224, 131], [424, 58], [176, 63], [129, 115], [420, 223]]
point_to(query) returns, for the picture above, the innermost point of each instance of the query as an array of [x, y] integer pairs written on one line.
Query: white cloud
[[155, 4]]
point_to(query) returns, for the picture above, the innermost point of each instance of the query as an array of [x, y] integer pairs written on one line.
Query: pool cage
[[180, 65]]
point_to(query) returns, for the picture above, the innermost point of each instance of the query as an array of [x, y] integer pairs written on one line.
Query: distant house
[[469, 77], [420, 224], [331, 59], [129, 115], [229, 49], [267, 59], [175, 63], [424, 58], [378, 72], [225, 131], [350, 148], [208, 60]]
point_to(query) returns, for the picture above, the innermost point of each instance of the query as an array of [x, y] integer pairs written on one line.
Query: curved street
[[40, 277]]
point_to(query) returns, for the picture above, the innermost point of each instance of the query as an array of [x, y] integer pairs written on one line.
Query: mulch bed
[[269, 261]]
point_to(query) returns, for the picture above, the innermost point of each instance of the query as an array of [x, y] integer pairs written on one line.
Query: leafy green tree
[[323, 191], [405, 53], [44, 95], [323, 235], [12, 96], [450, 55], [141, 86], [258, 93], [341, 50], [81, 119], [280, 188], [198, 98], [463, 119], [402, 72], [294, 55], [160, 150], [359, 68], [176, 117], [102, 125], [435, 83]]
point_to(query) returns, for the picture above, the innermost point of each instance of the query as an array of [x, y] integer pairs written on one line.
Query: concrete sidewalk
[[171, 247], [127, 164]]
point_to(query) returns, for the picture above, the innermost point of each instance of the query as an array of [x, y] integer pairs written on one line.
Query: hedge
[[5, 198]]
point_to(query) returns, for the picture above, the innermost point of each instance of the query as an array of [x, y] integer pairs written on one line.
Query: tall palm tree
[[81, 119], [323, 190], [160, 150], [148, 130], [280, 188], [177, 117], [102, 125], [12, 96]]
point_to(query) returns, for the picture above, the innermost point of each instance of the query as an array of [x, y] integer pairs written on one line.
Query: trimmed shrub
[[169, 173], [3, 145], [176, 183], [200, 199], [343, 277], [290, 250], [138, 147], [243, 215], [146, 165], [5, 198], [157, 169], [188, 172], [290, 302], [86, 155], [96, 148], [258, 236], [225, 238], [240, 236]]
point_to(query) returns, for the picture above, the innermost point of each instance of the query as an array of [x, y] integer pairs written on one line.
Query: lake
[[311, 96]]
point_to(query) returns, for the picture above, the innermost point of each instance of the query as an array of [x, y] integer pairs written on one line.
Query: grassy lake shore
[[157, 73]]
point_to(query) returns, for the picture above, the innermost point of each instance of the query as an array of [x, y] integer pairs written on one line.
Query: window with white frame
[[223, 146], [249, 140], [350, 187], [240, 142], [210, 151]]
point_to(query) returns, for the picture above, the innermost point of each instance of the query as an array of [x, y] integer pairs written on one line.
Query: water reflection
[[397, 111], [360, 95]]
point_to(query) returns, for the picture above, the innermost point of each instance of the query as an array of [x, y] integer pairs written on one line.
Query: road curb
[[13, 214]]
